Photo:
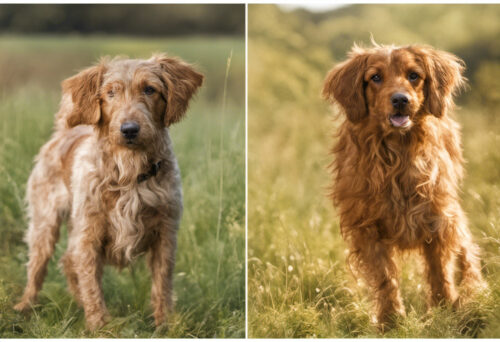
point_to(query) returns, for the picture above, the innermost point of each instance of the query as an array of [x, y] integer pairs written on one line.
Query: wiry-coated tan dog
[[110, 168], [397, 169]]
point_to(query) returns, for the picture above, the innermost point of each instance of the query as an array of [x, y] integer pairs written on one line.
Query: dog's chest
[[410, 191], [134, 221], [404, 174]]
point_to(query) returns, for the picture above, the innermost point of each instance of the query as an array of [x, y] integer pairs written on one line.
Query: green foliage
[[298, 282], [210, 274], [44, 61], [487, 82], [123, 19]]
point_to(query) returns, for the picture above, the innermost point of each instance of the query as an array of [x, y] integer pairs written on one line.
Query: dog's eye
[[412, 76], [376, 78], [111, 93], [149, 90]]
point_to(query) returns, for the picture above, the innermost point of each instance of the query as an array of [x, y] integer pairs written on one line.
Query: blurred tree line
[[314, 41], [123, 19]]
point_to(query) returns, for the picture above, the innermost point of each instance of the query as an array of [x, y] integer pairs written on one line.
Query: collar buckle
[[153, 171]]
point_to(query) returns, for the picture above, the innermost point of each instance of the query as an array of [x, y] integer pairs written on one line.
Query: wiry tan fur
[[397, 188], [88, 174]]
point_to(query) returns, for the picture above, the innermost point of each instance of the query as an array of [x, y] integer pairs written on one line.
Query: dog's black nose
[[399, 100], [130, 129]]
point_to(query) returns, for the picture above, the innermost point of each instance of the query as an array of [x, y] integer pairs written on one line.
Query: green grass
[[298, 281], [210, 274], [47, 60]]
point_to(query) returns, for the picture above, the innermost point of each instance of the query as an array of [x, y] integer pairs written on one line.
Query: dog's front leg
[[440, 267], [162, 262], [470, 264], [89, 267], [374, 259]]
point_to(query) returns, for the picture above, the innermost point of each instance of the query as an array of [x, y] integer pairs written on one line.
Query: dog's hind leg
[[45, 210]]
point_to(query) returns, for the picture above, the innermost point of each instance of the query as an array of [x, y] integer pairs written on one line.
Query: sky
[[311, 6]]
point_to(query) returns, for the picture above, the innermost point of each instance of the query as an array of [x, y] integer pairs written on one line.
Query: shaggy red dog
[[110, 169], [397, 169]]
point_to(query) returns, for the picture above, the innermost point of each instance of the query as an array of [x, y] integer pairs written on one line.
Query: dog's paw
[[160, 317], [23, 306], [389, 320], [97, 321]]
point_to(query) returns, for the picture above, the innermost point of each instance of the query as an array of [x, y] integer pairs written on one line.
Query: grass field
[[210, 273], [299, 285]]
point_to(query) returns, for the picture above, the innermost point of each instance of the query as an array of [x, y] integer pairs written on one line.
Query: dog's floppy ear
[[180, 81], [345, 84], [84, 89], [444, 78]]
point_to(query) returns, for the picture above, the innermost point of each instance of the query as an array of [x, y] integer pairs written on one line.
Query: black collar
[[151, 173]]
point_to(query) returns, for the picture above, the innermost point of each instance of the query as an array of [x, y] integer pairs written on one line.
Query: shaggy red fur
[[397, 169]]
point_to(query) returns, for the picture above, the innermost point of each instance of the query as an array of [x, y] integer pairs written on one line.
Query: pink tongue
[[399, 120]]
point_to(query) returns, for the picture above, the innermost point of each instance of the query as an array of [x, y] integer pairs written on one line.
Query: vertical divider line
[[246, 170]]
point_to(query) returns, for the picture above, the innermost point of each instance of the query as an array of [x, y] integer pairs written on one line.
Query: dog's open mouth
[[399, 120]]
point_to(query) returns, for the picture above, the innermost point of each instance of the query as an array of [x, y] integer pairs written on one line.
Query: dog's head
[[395, 85], [131, 100]]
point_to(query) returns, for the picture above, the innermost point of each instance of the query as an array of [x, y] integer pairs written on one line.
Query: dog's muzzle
[[130, 130]]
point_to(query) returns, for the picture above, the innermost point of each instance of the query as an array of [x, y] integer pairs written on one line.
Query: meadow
[[209, 280], [298, 281]]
